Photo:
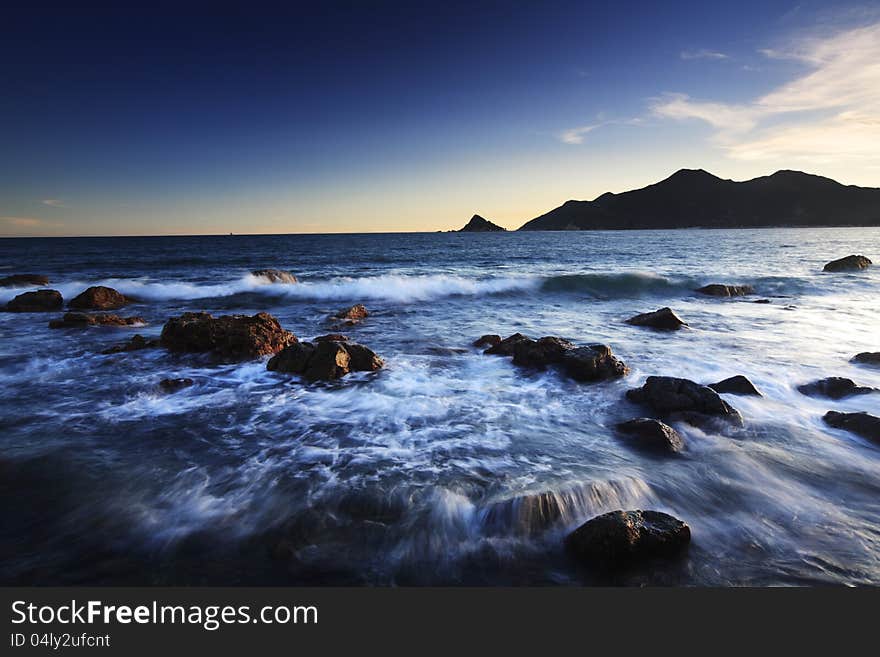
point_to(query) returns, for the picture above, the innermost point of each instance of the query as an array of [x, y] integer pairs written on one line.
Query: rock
[[352, 315], [623, 538], [867, 358], [664, 320], [861, 424], [505, 347], [24, 280], [761, 301], [231, 337], [718, 290], [98, 297], [488, 340], [173, 385], [136, 343], [478, 224], [83, 320], [275, 275], [594, 362], [834, 387], [652, 434], [40, 301], [331, 337], [326, 360], [849, 263], [736, 385], [668, 395], [540, 353]]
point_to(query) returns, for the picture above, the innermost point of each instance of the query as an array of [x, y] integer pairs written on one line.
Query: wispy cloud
[[829, 113], [53, 202], [576, 135], [703, 53], [21, 225]]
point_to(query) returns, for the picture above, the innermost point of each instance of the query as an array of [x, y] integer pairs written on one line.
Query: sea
[[448, 466]]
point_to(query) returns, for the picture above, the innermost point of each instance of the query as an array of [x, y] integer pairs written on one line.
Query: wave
[[403, 288]]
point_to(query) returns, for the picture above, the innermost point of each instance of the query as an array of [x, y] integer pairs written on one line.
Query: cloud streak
[[53, 202], [830, 113], [703, 54], [576, 135]]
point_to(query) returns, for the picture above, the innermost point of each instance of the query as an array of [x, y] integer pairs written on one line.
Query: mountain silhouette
[[479, 225], [694, 198]]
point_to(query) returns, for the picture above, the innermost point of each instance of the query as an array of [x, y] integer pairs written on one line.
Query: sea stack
[[478, 224]]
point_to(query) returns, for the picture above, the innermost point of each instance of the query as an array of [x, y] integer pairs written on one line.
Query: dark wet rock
[[136, 343], [861, 424], [331, 337], [664, 319], [718, 290], [231, 337], [834, 387], [736, 385], [353, 314], [625, 538], [488, 340], [275, 275], [688, 400], [24, 280], [593, 362], [40, 301], [84, 320], [173, 385], [98, 297], [540, 353], [761, 301], [325, 360], [849, 263], [651, 434], [867, 358], [506, 346]]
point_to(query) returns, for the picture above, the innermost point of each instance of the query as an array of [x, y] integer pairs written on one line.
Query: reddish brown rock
[[98, 297], [41, 301], [331, 337], [650, 434], [670, 396], [736, 385], [353, 314], [664, 319], [718, 290], [506, 346], [488, 340], [136, 343], [275, 275], [326, 360], [231, 337], [849, 263]]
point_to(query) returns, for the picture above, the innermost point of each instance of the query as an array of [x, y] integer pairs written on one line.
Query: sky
[[378, 117]]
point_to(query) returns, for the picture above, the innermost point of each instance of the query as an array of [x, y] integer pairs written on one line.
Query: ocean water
[[448, 466]]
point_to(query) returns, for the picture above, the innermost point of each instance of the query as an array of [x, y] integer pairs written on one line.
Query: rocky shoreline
[[620, 538]]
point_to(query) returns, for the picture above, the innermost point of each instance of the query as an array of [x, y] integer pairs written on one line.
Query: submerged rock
[[24, 280], [488, 340], [761, 301], [231, 337], [84, 320], [849, 263], [588, 363], [41, 301], [736, 385], [326, 360], [718, 290], [624, 538], [136, 343], [689, 400], [834, 387], [651, 434], [331, 337], [98, 297], [541, 352], [867, 358], [353, 314], [506, 346], [275, 275], [664, 319], [594, 362], [173, 385], [861, 424]]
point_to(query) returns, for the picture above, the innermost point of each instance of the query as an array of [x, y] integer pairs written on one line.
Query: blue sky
[[349, 118]]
